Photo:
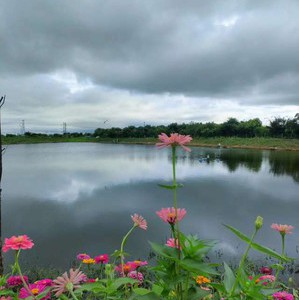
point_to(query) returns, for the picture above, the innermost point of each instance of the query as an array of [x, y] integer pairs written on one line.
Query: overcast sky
[[153, 61]]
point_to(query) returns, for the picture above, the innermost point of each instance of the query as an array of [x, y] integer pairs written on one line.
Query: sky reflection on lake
[[72, 198]]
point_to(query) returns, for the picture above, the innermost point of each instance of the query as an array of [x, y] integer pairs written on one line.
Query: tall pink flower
[[103, 258], [282, 296], [173, 243], [17, 243], [64, 283], [168, 215], [136, 275], [174, 139], [283, 229], [139, 221]]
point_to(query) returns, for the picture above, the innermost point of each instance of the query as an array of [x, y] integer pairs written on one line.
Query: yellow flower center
[[89, 261], [35, 291]]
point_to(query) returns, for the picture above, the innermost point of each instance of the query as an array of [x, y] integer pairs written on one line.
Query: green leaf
[[141, 291], [171, 187], [165, 251], [229, 278], [258, 247], [198, 267], [157, 289], [121, 281]]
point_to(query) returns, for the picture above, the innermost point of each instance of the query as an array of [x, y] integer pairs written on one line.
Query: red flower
[[103, 258], [17, 243]]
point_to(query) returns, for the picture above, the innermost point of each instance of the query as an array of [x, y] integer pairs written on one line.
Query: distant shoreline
[[221, 142]]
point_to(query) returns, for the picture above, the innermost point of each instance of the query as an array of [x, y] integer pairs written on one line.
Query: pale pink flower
[[5, 298], [171, 215], [139, 221], [282, 296], [35, 290], [174, 139], [17, 243], [82, 256], [265, 279], [173, 243], [283, 229], [64, 283], [103, 258], [136, 275]]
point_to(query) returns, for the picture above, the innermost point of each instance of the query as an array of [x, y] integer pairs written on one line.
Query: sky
[[115, 63]]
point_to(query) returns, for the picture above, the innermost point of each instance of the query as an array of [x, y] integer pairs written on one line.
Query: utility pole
[[2, 101]]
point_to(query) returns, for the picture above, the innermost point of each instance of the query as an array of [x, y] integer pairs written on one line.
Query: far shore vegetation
[[281, 134]]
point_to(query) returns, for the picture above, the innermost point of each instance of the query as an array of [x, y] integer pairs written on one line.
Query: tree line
[[278, 127]]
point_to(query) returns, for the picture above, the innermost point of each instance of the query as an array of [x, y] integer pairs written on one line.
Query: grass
[[225, 142]]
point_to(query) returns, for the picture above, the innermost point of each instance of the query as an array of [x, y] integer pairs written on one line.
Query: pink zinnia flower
[[283, 229], [173, 243], [139, 221], [136, 264], [136, 275], [17, 243], [35, 289], [5, 298], [266, 270], [171, 215], [174, 139], [82, 256], [126, 267], [16, 280], [266, 279], [103, 258], [45, 282], [282, 296], [64, 283]]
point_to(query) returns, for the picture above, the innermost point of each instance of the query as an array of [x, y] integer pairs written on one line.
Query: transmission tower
[[64, 128], [22, 125]]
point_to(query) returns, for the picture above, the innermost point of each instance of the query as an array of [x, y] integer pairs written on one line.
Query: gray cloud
[[57, 53]]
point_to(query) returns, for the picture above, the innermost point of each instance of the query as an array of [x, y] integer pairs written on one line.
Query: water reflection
[[282, 164], [72, 198]]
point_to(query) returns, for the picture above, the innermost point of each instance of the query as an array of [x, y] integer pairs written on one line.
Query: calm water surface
[[71, 198]]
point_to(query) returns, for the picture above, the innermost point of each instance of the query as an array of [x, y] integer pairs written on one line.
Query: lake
[[78, 197]]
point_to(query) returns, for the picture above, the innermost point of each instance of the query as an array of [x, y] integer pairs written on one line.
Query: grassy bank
[[225, 142]]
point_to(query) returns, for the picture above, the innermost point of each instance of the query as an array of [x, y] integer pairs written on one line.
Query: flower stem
[[20, 273], [73, 295], [123, 243], [243, 261]]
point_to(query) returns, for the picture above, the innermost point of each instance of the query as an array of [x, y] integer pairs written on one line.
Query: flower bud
[[258, 223]]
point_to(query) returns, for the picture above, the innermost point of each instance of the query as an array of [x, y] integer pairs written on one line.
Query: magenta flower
[[126, 268], [83, 256], [173, 140], [35, 290], [45, 282], [64, 283], [136, 275], [282, 296], [171, 215], [17, 243], [103, 258], [139, 221], [266, 270], [16, 280], [283, 229], [173, 243]]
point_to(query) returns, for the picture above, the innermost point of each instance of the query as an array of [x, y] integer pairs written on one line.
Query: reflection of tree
[[284, 163], [252, 160]]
